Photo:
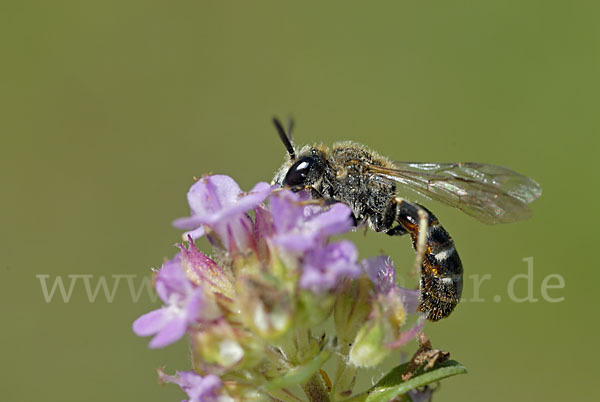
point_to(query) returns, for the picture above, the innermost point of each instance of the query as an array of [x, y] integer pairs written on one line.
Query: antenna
[[290, 129], [285, 137]]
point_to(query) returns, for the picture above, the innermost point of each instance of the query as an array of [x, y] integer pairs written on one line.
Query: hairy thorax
[[348, 179]]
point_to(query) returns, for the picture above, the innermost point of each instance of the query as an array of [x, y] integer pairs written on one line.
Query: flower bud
[[369, 346], [352, 307], [203, 271]]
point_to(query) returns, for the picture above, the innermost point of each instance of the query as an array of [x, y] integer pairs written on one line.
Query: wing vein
[[490, 193]]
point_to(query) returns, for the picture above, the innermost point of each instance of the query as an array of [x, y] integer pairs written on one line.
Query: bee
[[368, 183]]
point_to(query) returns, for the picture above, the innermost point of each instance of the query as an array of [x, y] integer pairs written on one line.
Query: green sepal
[[300, 374]]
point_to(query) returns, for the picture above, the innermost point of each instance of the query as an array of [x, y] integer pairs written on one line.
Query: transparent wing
[[490, 193]]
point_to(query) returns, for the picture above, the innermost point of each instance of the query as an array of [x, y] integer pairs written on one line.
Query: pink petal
[[210, 194], [172, 332], [188, 222], [194, 304], [151, 323], [195, 234], [254, 196]]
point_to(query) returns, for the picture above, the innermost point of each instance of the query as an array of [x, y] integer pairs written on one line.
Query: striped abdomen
[[441, 270]]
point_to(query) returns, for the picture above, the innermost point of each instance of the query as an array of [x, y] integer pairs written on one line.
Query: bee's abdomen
[[441, 270]]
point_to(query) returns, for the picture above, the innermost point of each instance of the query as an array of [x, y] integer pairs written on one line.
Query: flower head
[[249, 308], [217, 202], [184, 304]]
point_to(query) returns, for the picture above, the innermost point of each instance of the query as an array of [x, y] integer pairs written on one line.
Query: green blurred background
[[109, 108]]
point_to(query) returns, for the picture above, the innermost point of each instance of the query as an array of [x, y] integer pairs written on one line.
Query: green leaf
[[392, 385]]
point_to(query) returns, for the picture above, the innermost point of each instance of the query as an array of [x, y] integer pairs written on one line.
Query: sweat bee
[[368, 183]]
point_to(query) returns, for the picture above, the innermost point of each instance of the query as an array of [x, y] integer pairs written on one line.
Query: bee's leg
[[441, 268], [397, 230], [314, 193], [383, 221], [320, 199]]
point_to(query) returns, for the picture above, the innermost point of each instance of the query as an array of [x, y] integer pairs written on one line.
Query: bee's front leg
[[319, 198], [441, 268]]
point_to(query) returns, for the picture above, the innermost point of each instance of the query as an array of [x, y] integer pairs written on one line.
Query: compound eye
[[298, 173]]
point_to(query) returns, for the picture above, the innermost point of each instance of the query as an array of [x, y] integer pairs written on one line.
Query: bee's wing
[[490, 193]]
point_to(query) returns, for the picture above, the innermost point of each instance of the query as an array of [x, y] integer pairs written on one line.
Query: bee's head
[[302, 169]]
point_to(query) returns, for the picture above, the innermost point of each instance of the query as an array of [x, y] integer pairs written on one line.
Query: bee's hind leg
[[397, 230], [440, 265], [384, 221]]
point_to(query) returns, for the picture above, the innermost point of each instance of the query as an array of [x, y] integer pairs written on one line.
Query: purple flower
[[325, 266], [198, 388], [263, 223], [263, 231], [300, 227], [183, 306], [382, 272], [218, 202]]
